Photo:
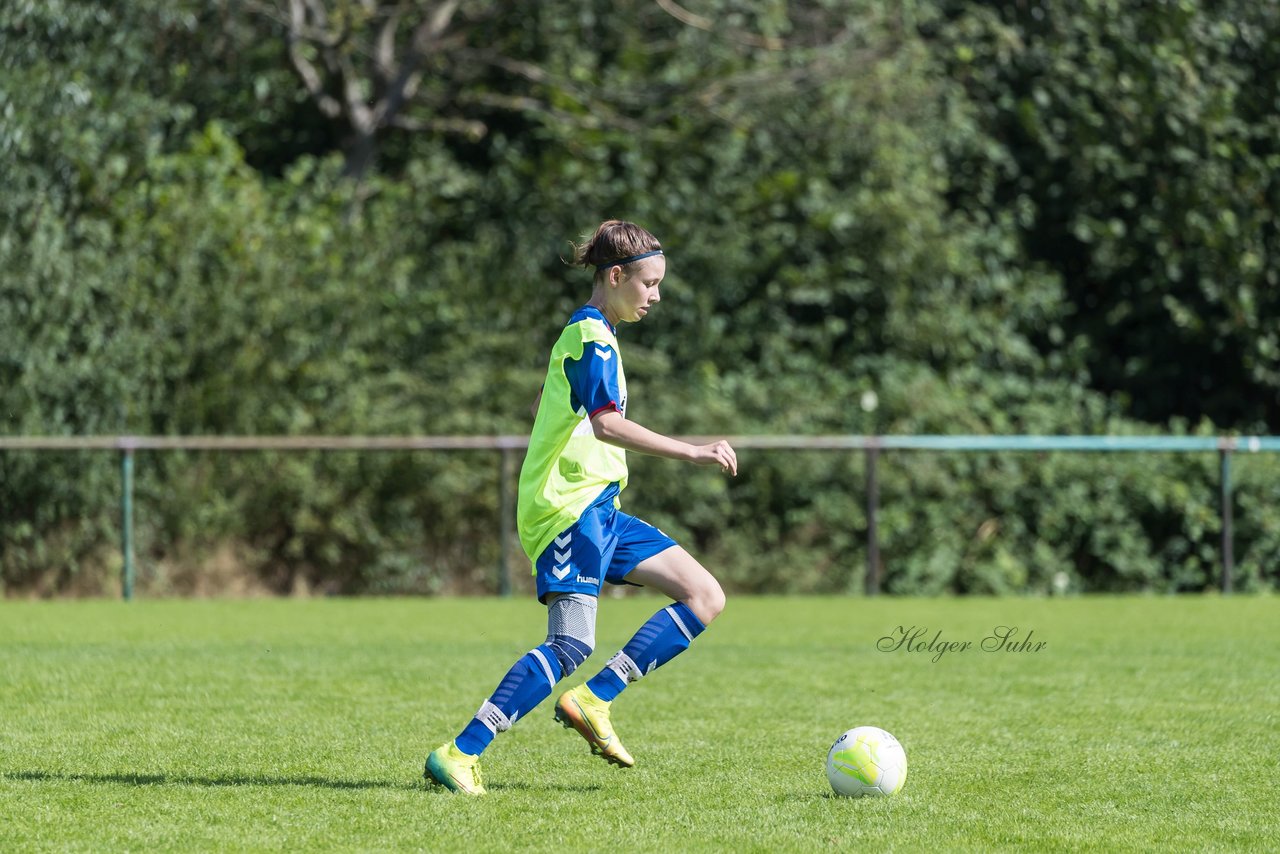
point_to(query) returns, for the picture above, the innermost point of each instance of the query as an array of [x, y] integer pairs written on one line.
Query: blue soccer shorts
[[603, 545]]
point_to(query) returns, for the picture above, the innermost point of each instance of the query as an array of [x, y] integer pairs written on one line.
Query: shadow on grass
[[232, 780], [127, 779]]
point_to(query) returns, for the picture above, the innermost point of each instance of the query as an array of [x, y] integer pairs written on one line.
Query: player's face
[[636, 293]]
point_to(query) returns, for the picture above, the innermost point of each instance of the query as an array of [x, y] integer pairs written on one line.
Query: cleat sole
[[583, 729]]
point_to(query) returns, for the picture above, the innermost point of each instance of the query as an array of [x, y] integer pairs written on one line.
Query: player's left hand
[[719, 453]]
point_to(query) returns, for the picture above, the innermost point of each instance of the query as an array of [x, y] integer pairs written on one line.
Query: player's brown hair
[[614, 240]]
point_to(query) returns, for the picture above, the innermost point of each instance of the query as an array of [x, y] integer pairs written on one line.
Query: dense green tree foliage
[[342, 217], [1142, 145]]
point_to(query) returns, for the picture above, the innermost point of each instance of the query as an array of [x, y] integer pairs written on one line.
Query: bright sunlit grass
[[1142, 724]]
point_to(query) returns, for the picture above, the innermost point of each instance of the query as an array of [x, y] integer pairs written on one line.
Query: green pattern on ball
[[853, 759]]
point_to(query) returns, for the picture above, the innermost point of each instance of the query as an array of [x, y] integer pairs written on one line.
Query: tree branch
[[310, 76], [385, 50], [408, 76], [688, 18], [362, 117], [469, 128], [527, 104], [536, 74], [435, 24]]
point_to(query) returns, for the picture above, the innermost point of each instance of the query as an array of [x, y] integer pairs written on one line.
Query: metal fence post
[[508, 511], [873, 535], [126, 522], [1228, 534]]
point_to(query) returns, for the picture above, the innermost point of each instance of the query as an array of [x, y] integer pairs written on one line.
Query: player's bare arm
[[611, 427]]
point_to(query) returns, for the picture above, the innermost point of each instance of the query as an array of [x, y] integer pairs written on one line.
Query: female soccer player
[[572, 529]]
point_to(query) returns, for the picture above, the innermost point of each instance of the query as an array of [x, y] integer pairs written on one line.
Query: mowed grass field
[[1141, 724]]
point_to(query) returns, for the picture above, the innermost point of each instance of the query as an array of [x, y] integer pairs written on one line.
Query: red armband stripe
[[608, 406]]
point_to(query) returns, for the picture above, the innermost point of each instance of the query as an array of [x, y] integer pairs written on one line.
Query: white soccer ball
[[866, 760]]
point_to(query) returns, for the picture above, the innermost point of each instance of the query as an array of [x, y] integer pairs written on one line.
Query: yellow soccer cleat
[[579, 709], [455, 770]]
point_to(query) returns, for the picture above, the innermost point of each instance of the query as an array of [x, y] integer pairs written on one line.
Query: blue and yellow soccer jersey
[[595, 381], [567, 467]]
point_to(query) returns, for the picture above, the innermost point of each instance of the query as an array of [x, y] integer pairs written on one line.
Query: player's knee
[[715, 602], [571, 629], [707, 602], [569, 651]]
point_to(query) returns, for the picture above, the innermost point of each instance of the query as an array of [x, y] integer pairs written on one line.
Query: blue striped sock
[[666, 635], [527, 683]]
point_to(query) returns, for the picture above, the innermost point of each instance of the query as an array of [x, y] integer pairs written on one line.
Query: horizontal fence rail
[[508, 445], [783, 443]]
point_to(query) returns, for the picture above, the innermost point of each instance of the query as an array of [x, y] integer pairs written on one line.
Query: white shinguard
[[493, 718], [627, 670]]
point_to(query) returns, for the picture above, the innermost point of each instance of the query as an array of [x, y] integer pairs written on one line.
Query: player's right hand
[[719, 453]]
